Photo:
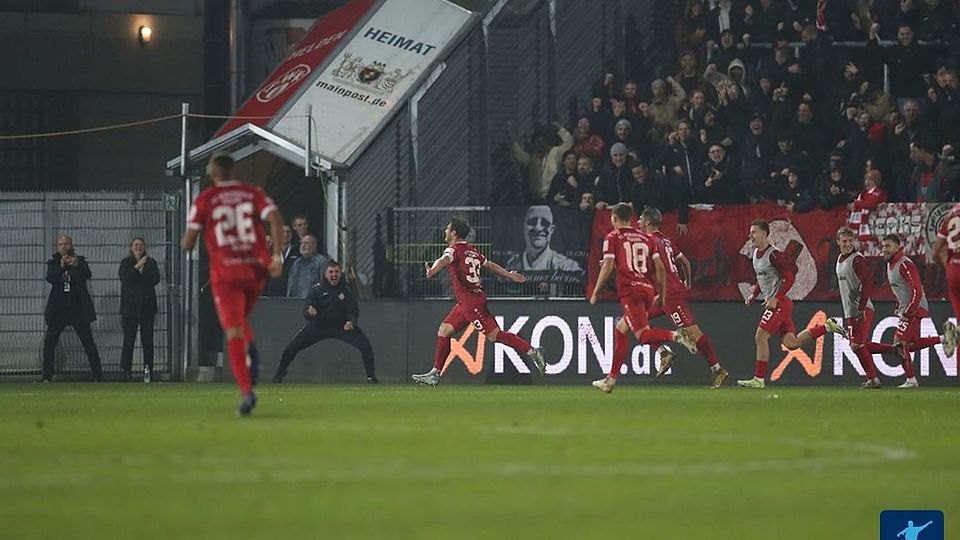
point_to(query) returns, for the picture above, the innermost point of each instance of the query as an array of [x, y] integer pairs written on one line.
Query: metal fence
[[101, 225]]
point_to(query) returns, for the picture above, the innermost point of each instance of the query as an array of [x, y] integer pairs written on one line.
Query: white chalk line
[[236, 469]]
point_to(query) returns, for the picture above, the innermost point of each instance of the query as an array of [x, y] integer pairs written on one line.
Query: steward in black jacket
[[331, 311]]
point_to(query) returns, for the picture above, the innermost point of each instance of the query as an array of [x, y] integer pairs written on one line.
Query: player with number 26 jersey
[[230, 217]]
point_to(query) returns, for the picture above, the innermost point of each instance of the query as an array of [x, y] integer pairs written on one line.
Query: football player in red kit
[[904, 279], [946, 251], [675, 303], [230, 216], [464, 262], [775, 275], [633, 254]]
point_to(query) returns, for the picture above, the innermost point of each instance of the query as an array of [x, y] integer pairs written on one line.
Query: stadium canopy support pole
[[306, 154], [186, 285]]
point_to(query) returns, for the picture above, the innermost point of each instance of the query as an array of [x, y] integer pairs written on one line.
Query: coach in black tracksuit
[[331, 311]]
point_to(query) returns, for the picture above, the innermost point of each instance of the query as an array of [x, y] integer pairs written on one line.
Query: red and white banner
[[299, 66], [719, 248], [372, 75]]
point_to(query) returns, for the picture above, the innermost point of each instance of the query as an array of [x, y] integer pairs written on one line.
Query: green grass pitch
[[458, 462]]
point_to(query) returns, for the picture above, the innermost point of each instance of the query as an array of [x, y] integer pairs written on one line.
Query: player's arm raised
[[438, 265], [515, 277], [606, 270]]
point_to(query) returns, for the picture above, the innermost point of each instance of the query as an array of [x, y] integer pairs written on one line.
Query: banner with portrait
[[547, 244]]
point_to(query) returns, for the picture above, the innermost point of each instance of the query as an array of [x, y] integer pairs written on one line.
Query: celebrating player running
[[634, 254], [229, 214], [464, 262], [775, 275]]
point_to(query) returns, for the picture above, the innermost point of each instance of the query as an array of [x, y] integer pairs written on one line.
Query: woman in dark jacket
[[139, 275]]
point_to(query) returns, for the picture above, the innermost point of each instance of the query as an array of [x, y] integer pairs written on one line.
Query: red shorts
[[858, 328], [677, 309], [234, 300], [908, 330], [779, 321], [636, 307], [476, 314]]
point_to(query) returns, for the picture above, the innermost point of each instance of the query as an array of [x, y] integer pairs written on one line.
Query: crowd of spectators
[[765, 103]]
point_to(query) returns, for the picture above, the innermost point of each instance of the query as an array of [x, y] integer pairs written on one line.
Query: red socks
[[878, 347], [760, 371], [237, 351], [706, 349], [655, 336], [866, 361], [923, 343], [908, 365], [620, 345], [514, 341], [441, 352], [817, 331]]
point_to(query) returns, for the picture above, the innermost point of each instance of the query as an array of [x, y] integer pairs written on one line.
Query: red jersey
[[668, 254], [950, 231], [231, 216], [464, 268], [633, 253]]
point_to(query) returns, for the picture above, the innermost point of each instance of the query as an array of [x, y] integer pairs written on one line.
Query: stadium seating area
[[783, 101]]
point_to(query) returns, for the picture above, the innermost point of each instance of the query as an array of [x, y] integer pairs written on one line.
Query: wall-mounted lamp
[[144, 35]]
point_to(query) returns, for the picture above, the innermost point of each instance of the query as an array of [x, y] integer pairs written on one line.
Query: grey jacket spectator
[[306, 270]]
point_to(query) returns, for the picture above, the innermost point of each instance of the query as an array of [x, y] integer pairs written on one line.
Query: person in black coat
[[69, 304], [331, 312], [139, 275]]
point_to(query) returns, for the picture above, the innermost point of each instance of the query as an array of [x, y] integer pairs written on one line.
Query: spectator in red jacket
[[872, 195]]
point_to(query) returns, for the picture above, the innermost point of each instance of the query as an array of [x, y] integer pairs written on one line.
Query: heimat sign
[[372, 74]]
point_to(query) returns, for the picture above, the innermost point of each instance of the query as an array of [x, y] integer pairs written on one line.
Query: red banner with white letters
[[718, 247]]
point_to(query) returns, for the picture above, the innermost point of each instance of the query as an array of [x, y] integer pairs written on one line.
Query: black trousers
[[52, 337], [130, 327], [313, 332]]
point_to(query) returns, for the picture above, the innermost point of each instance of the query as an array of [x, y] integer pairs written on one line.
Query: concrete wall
[[577, 341]]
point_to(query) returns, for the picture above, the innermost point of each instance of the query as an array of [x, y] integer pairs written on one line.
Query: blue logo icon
[[911, 525]]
